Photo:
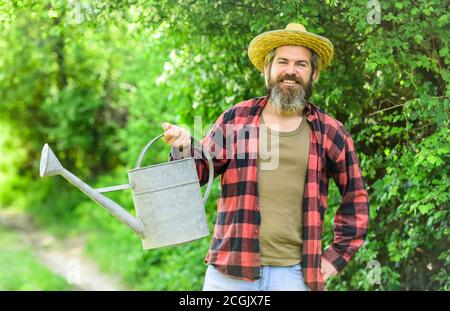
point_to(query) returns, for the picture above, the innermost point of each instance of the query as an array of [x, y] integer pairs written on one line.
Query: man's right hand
[[176, 136]]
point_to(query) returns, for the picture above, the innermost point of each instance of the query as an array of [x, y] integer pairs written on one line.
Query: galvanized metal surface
[[114, 188], [168, 199]]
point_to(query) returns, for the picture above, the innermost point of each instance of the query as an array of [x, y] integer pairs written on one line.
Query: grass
[[21, 270]]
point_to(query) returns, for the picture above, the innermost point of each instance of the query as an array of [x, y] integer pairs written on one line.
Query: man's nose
[[290, 69]]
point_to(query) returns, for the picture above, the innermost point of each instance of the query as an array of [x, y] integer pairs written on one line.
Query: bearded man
[[271, 206]]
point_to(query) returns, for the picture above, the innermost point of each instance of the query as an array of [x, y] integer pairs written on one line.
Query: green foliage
[[96, 81]]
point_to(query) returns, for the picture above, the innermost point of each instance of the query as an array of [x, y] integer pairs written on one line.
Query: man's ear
[[266, 73], [315, 76], [266, 69]]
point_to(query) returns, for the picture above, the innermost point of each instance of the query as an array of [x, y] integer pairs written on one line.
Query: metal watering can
[[167, 198]]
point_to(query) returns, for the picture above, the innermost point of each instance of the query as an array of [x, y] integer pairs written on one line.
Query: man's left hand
[[327, 269]]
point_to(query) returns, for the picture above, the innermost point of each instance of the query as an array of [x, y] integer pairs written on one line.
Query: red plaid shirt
[[233, 144]]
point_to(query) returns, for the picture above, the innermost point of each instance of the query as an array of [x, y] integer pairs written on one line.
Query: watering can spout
[[50, 166]]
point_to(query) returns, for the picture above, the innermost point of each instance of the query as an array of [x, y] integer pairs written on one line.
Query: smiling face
[[289, 78]]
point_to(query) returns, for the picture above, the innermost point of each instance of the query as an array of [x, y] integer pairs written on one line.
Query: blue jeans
[[272, 279]]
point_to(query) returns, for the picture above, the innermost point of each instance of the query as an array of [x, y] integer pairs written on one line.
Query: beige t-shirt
[[281, 180]]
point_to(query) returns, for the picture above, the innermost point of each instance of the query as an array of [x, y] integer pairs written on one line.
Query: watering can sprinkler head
[[50, 165]]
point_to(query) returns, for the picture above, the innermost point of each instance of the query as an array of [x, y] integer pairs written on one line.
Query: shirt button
[[256, 231]]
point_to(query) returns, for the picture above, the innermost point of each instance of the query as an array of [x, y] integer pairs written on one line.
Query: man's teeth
[[289, 81]]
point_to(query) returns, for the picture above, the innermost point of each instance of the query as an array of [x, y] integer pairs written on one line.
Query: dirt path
[[61, 256]]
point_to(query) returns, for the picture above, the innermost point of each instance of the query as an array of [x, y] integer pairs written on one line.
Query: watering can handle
[[205, 152]]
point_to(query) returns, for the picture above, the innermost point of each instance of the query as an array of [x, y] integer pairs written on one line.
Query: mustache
[[295, 78]]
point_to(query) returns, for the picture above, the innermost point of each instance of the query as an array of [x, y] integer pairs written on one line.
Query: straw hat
[[294, 34]]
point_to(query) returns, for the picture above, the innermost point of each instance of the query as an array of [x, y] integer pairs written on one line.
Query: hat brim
[[262, 44]]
